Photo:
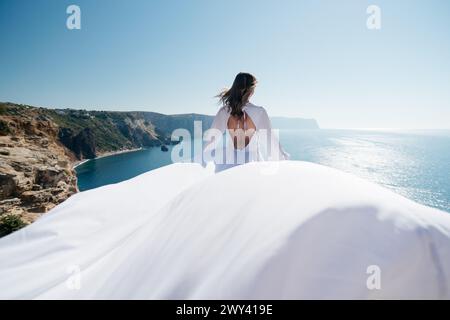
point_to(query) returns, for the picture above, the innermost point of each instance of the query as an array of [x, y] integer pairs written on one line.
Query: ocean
[[415, 164]]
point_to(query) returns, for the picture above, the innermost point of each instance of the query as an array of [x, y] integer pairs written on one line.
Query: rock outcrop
[[35, 168], [82, 144]]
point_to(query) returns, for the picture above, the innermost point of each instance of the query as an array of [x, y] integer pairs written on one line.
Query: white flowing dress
[[263, 145], [305, 232]]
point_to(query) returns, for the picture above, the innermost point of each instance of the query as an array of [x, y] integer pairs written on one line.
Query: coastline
[[104, 155]]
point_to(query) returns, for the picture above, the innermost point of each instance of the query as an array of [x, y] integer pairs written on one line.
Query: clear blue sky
[[313, 59]]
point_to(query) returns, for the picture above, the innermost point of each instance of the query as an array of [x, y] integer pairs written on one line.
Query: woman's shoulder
[[249, 108], [254, 110]]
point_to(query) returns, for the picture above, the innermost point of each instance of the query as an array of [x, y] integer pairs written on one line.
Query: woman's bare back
[[241, 130]]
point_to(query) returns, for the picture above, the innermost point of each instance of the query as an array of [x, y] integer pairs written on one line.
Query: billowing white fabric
[[264, 144], [261, 230]]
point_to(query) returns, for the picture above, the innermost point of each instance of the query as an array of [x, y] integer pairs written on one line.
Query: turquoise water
[[415, 164]]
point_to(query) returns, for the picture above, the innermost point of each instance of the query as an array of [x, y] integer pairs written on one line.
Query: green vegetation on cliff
[[88, 133]]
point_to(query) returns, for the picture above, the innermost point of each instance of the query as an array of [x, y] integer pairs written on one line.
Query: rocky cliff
[[35, 169]]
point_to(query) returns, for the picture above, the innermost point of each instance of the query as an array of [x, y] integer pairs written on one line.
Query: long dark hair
[[237, 96]]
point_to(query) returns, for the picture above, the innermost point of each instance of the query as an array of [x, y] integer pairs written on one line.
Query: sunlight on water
[[415, 165]]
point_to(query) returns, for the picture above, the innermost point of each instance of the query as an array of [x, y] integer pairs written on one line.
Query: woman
[[250, 136]]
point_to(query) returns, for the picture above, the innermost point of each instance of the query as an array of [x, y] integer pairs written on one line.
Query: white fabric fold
[[183, 232]]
